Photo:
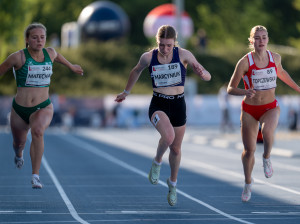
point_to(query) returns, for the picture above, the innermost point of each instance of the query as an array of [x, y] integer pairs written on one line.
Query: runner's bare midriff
[[261, 97], [172, 90], [31, 96]]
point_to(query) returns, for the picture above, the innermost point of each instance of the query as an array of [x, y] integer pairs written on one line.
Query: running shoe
[[154, 173], [268, 169], [172, 195], [19, 162], [246, 194], [36, 183]]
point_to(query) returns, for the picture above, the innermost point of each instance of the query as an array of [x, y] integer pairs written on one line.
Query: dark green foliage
[[107, 65], [106, 70]]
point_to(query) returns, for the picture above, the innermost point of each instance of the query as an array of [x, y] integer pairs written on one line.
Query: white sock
[[19, 158], [35, 176], [173, 183], [157, 163], [249, 184]]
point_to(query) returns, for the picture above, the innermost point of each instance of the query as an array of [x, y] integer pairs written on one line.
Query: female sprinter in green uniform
[[31, 107], [167, 65]]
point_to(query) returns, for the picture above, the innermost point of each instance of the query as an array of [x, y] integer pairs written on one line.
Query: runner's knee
[[176, 150], [248, 153], [37, 132], [168, 139]]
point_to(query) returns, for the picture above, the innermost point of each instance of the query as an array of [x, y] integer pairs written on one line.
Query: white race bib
[[166, 75], [264, 78], [38, 75]]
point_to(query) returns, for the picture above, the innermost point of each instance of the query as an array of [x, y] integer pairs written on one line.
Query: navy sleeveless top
[[165, 75]]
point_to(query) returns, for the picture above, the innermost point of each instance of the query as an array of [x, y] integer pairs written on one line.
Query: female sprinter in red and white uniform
[[167, 65], [259, 70]]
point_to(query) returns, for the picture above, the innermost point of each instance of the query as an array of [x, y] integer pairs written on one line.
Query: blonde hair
[[167, 32], [252, 33], [31, 27]]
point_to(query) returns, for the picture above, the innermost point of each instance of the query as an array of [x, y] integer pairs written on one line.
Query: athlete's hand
[[77, 69], [120, 97], [250, 93], [200, 70]]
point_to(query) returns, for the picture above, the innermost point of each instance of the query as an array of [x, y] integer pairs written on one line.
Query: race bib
[[38, 75], [166, 75], [264, 78]]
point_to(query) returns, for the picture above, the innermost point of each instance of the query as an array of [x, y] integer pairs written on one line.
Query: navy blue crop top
[[165, 75]]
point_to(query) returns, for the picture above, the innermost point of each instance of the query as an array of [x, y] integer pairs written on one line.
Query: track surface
[[100, 176]]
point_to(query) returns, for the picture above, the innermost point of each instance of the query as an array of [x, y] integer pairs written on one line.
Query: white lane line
[[136, 147], [282, 152], [144, 212], [61, 191], [98, 152], [195, 163], [221, 143]]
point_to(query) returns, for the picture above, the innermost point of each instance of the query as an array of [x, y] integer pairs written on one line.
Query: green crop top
[[33, 73]]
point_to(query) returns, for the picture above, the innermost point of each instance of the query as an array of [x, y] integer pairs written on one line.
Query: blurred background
[[107, 39]]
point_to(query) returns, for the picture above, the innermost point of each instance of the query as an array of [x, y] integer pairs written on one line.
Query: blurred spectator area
[[104, 112]]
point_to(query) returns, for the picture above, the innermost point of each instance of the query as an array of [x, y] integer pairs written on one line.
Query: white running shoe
[[268, 169], [154, 173], [36, 183], [19, 162], [246, 194], [172, 195]]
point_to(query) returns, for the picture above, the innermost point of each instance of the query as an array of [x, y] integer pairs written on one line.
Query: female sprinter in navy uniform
[[167, 65], [31, 107], [259, 70]]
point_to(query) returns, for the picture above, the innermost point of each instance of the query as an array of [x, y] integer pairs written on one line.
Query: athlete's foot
[[154, 173], [246, 194], [172, 195], [36, 183], [19, 162], [268, 169]]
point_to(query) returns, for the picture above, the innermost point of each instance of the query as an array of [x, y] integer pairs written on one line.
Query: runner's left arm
[[196, 66], [62, 60]]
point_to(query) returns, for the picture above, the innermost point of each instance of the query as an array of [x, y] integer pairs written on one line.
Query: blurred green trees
[[107, 64]]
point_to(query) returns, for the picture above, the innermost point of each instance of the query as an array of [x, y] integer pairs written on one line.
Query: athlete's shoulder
[[243, 63], [16, 59], [52, 52], [184, 52], [276, 56], [185, 55], [244, 59], [146, 57]]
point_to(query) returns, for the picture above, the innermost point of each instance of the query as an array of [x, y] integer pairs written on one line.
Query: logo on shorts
[[155, 119]]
